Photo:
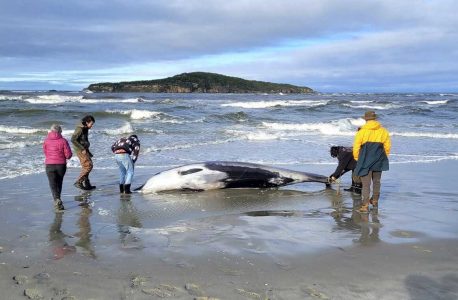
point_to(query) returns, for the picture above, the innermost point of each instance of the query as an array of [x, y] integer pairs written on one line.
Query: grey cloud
[[84, 35]]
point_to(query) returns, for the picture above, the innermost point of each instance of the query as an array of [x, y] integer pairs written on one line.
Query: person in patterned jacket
[[126, 151]]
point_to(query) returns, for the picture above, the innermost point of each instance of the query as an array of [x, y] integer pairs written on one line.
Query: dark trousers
[[56, 175]]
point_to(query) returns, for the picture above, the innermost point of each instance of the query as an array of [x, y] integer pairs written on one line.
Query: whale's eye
[[190, 171]]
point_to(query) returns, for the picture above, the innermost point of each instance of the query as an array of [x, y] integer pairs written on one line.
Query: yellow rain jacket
[[371, 148]]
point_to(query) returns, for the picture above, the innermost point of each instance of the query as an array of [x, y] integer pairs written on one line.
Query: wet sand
[[299, 242]]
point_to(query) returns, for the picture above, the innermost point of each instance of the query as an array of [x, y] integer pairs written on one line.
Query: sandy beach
[[299, 242]]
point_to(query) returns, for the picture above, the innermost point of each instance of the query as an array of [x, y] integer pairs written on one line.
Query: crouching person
[[346, 163], [126, 152]]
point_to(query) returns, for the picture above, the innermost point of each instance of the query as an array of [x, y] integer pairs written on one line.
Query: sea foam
[[278, 103], [53, 99], [426, 135], [435, 102], [126, 128], [342, 127], [20, 130], [136, 114]]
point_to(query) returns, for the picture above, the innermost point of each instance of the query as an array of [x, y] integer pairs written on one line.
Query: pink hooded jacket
[[56, 149]]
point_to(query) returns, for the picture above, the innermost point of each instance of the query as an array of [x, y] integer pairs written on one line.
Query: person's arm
[[344, 159], [135, 151], [357, 144], [387, 143], [75, 139], [67, 150]]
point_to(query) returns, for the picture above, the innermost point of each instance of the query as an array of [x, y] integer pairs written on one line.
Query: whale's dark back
[[248, 176]]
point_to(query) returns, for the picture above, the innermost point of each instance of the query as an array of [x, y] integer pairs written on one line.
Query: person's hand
[[84, 151], [331, 179]]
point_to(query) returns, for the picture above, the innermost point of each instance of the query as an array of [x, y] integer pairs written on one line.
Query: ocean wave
[[239, 116], [136, 114], [379, 106], [255, 136], [11, 97], [435, 102], [126, 128], [21, 130], [412, 158], [426, 135], [111, 100], [361, 101], [342, 127], [277, 103], [17, 145], [186, 146], [53, 99]]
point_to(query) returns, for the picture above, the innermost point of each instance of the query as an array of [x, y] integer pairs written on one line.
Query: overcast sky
[[328, 45]]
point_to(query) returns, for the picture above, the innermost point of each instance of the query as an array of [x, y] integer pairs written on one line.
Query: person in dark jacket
[[57, 151], [346, 163], [371, 148], [126, 151], [81, 145]]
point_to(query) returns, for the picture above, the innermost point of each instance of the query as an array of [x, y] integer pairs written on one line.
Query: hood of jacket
[[372, 125], [54, 135]]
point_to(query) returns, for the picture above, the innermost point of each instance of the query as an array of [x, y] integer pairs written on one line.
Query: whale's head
[[190, 177]]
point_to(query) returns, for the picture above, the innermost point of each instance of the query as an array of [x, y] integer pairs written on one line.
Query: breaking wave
[[53, 99], [277, 103], [126, 128], [435, 102], [21, 130], [426, 135], [366, 105], [136, 114], [343, 127]]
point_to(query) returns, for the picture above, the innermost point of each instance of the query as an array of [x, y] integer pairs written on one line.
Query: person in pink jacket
[[57, 151]]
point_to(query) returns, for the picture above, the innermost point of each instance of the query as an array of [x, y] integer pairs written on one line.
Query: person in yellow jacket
[[371, 148]]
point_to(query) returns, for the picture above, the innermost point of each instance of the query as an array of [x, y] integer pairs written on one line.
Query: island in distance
[[198, 82]]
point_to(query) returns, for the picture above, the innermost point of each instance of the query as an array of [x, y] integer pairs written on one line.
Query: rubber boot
[[87, 184], [357, 188], [58, 205], [127, 189], [121, 188], [80, 185]]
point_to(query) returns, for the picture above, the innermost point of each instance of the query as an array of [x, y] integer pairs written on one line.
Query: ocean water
[[177, 129]]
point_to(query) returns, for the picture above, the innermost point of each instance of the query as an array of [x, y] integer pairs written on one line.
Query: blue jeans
[[126, 168]]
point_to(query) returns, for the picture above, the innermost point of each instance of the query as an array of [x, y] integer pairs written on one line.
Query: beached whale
[[223, 175]]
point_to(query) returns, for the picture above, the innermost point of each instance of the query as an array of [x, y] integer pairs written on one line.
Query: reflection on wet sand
[[368, 225], [345, 215], [84, 234], [128, 217], [57, 238]]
